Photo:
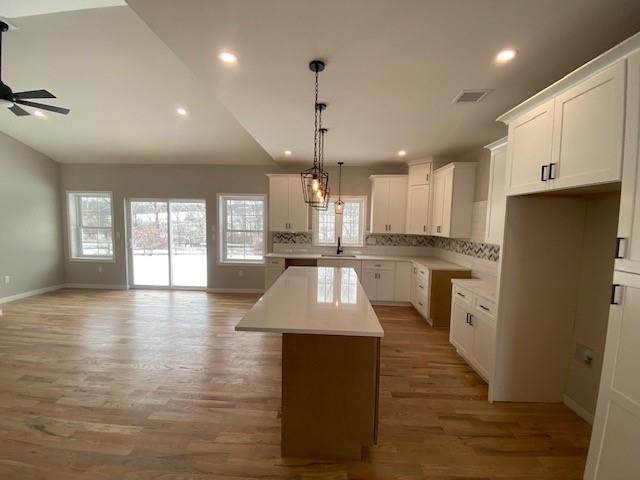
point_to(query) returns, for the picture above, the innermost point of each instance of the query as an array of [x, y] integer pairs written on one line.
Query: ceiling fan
[[12, 100]]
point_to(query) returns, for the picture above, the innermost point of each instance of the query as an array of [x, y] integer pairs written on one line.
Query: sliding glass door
[[168, 243]]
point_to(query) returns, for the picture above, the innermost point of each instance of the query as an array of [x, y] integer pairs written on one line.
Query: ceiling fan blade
[[19, 111], [41, 106], [34, 94]]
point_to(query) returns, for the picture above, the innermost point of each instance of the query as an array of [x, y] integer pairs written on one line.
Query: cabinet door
[[386, 286], [588, 131], [613, 451], [270, 276], [278, 204], [461, 333], [414, 284], [483, 344], [402, 292], [397, 205], [418, 210], [437, 209], [447, 200], [497, 201], [298, 210], [629, 220], [419, 174], [369, 282], [529, 149], [380, 205]]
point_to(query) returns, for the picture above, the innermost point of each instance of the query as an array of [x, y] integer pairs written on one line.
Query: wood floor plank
[[140, 385]]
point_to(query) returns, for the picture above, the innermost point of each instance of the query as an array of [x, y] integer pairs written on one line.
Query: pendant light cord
[[315, 126]]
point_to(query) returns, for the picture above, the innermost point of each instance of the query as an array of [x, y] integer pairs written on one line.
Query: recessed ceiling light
[[506, 55], [228, 57], [181, 111], [287, 153], [38, 113], [402, 153]]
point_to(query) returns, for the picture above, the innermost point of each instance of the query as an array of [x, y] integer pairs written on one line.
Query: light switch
[[7, 279]]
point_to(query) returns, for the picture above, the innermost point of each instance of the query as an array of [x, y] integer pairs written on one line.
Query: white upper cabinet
[[420, 174], [453, 191], [574, 139], [287, 210], [496, 200], [388, 203], [588, 131], [529, 150], [418, 197], [628, 254]]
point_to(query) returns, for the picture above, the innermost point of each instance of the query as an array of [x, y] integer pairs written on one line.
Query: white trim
[[30, 293], [497, 144], [235, 290], [96, 286], [577, 409]]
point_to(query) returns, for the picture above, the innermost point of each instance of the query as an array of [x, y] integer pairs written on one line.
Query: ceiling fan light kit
[[315, 180], [12, 100]]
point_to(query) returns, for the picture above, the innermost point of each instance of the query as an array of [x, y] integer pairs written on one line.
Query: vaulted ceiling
[[393, 69]]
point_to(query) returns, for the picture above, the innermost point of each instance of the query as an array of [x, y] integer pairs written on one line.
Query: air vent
[[471, 96]]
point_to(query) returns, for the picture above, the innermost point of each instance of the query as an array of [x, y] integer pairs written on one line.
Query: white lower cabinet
[[402, 291], [421, 291], [378, 280], [273, 269], [342, 263], [473, 329]]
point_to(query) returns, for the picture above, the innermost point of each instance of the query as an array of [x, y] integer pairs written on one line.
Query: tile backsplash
[[469, 248]]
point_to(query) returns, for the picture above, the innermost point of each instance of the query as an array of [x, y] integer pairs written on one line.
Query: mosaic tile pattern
[[484, 251], [291, 237]]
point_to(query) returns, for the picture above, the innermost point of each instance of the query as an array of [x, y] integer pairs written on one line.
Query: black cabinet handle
[[467, 318], [618, 245], [484, 308], [614, 290], [551, 172], [471, 319], [542, 173], [462, 295]]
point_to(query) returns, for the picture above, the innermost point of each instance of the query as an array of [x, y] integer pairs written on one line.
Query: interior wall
[[186, 181], [31, 233], [594, 288]]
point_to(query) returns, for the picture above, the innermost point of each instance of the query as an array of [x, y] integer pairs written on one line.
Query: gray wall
[[30, 219], [184, 181]]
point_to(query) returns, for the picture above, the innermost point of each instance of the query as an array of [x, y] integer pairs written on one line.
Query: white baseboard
[[30, 293], [96, 286], [577, 409], [235, 290]]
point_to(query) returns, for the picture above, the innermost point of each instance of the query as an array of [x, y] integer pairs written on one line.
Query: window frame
[[338, 223], [74, 228], [222, 228]]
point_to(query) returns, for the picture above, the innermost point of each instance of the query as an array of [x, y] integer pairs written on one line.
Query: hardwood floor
[[157, 385]]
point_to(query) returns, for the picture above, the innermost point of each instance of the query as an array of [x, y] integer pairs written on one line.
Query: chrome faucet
[[339, 249]]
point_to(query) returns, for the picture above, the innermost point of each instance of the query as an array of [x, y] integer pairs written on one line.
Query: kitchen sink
[[334, 255]]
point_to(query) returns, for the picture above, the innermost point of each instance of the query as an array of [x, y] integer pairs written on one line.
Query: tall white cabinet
[[613, 451], [388, 203], [418, 198], [287, 210], [453, 192]]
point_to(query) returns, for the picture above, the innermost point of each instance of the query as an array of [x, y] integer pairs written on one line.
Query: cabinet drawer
[[378, 265], [274, 262], [484, 305], [462, 294]]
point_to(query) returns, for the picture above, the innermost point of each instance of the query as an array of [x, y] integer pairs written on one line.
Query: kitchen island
[[330, 360]]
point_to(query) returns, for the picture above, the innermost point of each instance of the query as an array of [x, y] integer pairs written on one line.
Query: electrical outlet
[[583, 354], [7, 279], [241, 273], [100, 269]]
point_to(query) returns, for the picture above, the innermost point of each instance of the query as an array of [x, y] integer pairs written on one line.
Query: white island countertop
[[310, 300]]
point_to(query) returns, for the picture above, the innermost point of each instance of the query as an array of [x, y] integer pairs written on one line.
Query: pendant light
[[339, 204], [315, 180]]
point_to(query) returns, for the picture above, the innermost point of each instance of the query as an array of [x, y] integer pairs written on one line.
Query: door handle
[[551, 172], [542, 173]]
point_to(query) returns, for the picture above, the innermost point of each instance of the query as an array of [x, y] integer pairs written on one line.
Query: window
[[242, 236], [349, 226], [90, 225]]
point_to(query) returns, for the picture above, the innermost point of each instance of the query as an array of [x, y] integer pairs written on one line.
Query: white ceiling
[[123, 86], [393, 66]]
